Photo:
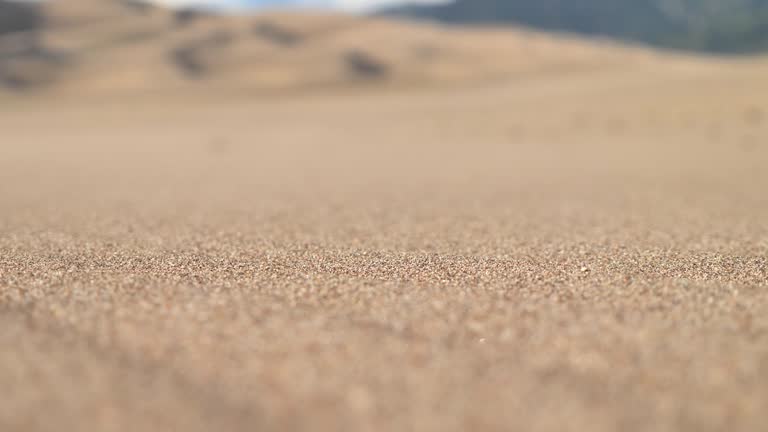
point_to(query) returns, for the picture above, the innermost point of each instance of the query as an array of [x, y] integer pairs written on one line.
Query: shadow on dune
[[26, 63], [187, 16], [362, 65], [276, 34], [140, 6], [193, 58]]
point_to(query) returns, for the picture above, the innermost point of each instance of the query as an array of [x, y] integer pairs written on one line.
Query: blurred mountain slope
[[15, 17], [725, 26]]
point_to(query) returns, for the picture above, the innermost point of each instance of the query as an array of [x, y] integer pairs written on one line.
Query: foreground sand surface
[[574, 251]]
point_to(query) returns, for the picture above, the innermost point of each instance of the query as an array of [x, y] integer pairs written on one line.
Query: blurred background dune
[[85, 47]]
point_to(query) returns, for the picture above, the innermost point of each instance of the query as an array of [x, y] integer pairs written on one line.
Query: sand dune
[[115, 47]]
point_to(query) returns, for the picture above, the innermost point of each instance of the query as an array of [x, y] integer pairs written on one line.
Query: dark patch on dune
[[139, 6], [186, 16], [191, 58], [276, 34], [187, 59], [25, 62], [28, 74], [363, 65]]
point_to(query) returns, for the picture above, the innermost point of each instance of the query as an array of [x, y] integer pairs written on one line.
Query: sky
[[347, 5]]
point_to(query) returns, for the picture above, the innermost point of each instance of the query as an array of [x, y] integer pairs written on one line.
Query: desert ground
[[524, 233]]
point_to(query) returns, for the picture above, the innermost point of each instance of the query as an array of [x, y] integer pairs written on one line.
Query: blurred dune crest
[[114, 47]]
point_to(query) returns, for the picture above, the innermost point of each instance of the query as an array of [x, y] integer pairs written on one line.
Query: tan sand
[[551, 252]]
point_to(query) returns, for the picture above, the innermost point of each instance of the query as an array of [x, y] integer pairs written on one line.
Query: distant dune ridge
[[720, 26], [118, 46]]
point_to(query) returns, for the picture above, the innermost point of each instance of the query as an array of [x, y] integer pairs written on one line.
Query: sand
[[569, 251]]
